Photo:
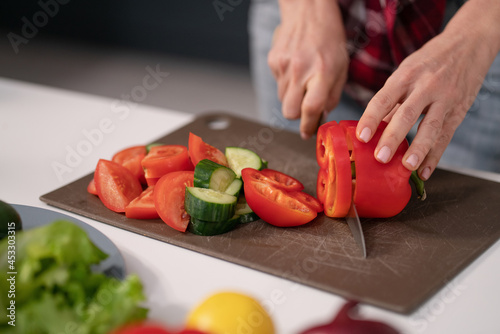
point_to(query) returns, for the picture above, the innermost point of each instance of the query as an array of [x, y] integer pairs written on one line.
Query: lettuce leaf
[[55, 288]]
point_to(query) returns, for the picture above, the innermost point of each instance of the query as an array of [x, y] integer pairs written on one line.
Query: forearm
[[309, 60], [480, 21], [323, 10]]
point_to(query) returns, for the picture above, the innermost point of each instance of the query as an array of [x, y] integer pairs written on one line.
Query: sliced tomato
[[116, 185], [141, 329], [199, 150], [151, 181], [165, 159], [337, 176], [91, 189], [283, 180], [169, 195], [143, 206], [272, 203], [145, 328], [131, 158]]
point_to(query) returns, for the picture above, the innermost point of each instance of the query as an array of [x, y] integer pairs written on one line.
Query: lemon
[[230, 313]]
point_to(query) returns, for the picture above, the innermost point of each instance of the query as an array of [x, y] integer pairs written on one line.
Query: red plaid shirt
[[380, 34]]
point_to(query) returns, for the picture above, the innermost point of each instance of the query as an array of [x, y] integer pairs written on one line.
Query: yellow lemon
[[230, 313]]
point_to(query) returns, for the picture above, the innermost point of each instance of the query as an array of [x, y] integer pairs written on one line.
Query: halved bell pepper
[[334, 187], [350, 172]]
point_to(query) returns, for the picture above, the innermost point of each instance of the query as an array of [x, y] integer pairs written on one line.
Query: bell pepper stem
[[419, 185]]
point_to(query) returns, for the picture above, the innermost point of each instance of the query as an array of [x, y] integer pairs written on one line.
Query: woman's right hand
[[309, 60]]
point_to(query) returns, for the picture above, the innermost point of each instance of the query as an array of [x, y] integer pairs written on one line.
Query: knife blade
[[354, 223]]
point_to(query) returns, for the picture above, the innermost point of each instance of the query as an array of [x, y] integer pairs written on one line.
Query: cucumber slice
[[211, 175], [202, 227], [235, 187], [150, 146], [244, 211], [239, 158], [209, 205]]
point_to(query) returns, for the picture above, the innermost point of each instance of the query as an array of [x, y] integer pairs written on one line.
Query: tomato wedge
[[131, 158], [145, 328], [282, 180], [169, 195], [143, 206], [91, 189], [199, 150], [116, 185], [165, 159], [272, 203], [141, 329]]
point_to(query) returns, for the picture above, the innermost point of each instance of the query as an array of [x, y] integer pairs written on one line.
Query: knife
[[352, 219]]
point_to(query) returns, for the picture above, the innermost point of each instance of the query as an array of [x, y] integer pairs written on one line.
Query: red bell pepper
[[277, 198], [334, 185], [378, 190]]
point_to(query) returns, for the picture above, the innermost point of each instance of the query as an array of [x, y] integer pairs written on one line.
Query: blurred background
[[104, 47]]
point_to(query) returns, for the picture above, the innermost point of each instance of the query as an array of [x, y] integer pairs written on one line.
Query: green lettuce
[[56, 291]]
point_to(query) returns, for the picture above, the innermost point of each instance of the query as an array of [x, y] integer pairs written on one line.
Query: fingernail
[[412, 160], [365, 135], [426, 173], [384, 154], [287, 114], [304, 135]]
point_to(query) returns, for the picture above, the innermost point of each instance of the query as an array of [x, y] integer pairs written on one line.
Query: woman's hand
[[441, 80], [309, 60]]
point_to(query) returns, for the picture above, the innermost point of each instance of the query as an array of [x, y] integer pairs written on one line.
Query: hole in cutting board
[[218, 123]]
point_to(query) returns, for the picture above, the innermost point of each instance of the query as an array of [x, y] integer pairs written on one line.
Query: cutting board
[[410, 256]]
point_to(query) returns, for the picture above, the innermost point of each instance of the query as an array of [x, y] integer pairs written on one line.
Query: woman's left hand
[[441, 80]]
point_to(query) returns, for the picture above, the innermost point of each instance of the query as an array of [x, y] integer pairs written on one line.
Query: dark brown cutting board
[[410, 256]]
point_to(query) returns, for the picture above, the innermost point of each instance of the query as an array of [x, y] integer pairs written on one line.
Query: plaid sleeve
[[380, 34]]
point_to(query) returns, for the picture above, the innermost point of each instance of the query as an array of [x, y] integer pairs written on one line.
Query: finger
[[401, 123], [313, 105], [388, 118], [381, 104], [273, 62], [431, 161], [292, 100], [278, 61], [429, 130], [282, 87], [335, 93], [275, 34]]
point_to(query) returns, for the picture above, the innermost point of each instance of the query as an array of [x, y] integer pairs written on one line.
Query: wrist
[[320, 7], [480, 20]]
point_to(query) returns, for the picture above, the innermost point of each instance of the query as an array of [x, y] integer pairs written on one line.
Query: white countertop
[[39, 126]]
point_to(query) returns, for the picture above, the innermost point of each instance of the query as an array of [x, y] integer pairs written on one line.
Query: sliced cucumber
[[239, 158], [202, 227], [211, 175], [209, 205], [244, 211], [150, 146], [235, 187]]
